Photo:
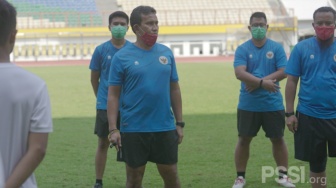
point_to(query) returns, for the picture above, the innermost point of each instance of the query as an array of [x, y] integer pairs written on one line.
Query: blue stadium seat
[[73, 13], [72, 5]]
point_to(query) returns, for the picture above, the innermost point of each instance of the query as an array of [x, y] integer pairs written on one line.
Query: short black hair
[[7, 20], [138, 11], [118, 14], [258, 15], [325, 9]]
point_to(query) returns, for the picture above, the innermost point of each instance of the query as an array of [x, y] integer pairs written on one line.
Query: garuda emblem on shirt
[[163, 60], [269, 55]]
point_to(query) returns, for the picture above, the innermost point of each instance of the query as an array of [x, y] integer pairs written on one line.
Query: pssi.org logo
[[297, 174]]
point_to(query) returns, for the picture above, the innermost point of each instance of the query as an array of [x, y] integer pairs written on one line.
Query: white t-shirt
[[24, 108]]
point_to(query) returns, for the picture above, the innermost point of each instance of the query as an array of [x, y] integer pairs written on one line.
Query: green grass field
[[206, 156]]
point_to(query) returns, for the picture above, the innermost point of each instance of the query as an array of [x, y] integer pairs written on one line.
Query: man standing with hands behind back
[[100, 68], [25, 112]]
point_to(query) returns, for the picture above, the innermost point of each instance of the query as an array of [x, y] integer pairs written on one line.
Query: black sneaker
[[98, 185]]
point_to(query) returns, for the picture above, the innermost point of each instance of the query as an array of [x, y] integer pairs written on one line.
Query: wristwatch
[[289, 114], [181, 124]]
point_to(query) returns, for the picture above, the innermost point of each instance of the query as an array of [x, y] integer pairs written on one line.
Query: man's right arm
[[95, 75], [112, 113], [246, 77], [290, 92], [37, 146]]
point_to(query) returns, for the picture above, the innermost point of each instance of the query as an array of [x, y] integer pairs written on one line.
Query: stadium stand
[[69, 29], [199, 12], [60, 13], [88, 13]]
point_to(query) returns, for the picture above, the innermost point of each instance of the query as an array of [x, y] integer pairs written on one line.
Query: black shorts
[[101, 126], [315, 138], [272, 122], [156, 147]]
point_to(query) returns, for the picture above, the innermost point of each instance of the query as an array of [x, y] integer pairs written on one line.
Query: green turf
[[206, 156]]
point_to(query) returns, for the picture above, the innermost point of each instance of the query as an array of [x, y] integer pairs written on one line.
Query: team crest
[[163, 60], [250, 56], [312, 56], [109, 57], [136, 63], [335, 57], [269, 55]]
